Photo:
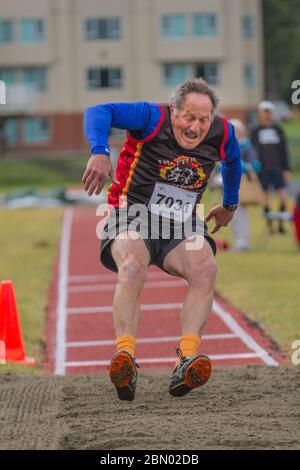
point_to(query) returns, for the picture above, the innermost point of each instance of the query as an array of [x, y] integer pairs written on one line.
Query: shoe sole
[[197, 374], [121, 372]]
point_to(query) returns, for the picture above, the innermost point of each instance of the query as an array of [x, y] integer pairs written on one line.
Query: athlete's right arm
[[98, 120]]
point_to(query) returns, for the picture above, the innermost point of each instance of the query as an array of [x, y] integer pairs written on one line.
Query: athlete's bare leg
[[132, 259], [199, 269]]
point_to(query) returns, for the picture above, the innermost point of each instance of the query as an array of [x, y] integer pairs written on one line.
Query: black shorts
[[270, 179], [158, 246]]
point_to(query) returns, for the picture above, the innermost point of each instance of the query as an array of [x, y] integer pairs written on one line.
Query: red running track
[[80, 334]]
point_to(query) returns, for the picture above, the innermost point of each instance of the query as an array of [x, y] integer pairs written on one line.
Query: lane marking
[[158, 280], [165, 339], [112, 277], [159, 360], [245, 337], [229, 321], [112, 286], [109, 308], [62, 293], [219, 311]]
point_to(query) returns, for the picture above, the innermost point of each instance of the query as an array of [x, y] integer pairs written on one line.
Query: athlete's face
[[192, 121], [265, 117]]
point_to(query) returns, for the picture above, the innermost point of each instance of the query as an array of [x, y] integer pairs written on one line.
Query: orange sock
[[126, 343], [189, 345]]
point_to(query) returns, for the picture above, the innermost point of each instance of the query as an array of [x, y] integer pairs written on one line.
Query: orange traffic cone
[[2, 352], [10, 328]]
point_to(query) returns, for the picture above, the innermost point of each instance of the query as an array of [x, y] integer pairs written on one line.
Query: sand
[[248, 408]]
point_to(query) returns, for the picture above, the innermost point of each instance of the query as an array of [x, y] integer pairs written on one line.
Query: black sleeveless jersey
[[159, 158]]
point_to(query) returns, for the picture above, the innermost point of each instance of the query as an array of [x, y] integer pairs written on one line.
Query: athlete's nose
[[194, 127]]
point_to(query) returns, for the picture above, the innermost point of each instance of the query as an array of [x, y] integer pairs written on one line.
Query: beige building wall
[[140, 53]]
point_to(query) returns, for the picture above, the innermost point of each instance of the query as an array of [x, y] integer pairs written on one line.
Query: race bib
[[172, 202]]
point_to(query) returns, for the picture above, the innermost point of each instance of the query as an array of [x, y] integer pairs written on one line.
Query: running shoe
[[191, 372], [123, 374]]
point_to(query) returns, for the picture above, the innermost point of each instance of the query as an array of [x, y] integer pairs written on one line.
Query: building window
[[173, 26], [6, 31], [8, 76], [250, 75], [248, 27], [102, 28], [174, 74], [104, 78], [11, 131], [209, 71], [36, 130], [32, 31], [205, 25], [36, 78]]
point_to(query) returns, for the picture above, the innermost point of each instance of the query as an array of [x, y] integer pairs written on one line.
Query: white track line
[[61, 311], [112, 286], [165, 339], [245, 337], [109, 308], [159, 360], [112, 277], [230, 322], [223, 314]]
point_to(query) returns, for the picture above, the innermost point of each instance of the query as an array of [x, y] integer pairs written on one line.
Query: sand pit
[[249, 408]]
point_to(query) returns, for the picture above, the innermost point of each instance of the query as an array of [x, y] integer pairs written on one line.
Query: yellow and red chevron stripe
[[127, 162]]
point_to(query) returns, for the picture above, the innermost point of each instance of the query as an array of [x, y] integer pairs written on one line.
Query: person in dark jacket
[[269, 140]]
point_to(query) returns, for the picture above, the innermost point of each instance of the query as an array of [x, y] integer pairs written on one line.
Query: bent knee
[[202, 273], [132, 270]]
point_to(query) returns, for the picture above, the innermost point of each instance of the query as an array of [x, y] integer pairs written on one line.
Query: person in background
[[240, 224], [269, 141]]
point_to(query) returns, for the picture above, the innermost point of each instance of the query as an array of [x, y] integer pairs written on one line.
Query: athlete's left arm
[[231, 168], [231, 174]]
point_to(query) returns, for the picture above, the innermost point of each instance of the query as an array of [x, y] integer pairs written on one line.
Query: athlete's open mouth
[[191, 135]]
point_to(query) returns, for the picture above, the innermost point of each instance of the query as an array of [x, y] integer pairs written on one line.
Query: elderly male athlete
[[168, 155]]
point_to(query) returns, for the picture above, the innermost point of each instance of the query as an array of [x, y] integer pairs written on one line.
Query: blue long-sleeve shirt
[[143, 117]]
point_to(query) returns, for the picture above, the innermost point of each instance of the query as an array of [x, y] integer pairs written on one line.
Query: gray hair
[[198, 85]]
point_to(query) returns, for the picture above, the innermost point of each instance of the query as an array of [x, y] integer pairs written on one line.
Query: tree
[[281, 21]]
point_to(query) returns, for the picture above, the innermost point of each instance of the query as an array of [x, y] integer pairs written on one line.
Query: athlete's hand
[[98, 169], [221, 217]]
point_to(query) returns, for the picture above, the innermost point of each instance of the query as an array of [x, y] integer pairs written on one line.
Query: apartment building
[[58, 57]]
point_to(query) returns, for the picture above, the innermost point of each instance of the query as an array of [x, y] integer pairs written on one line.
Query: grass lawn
[[43, 173], [264, 282], [29, 242]]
